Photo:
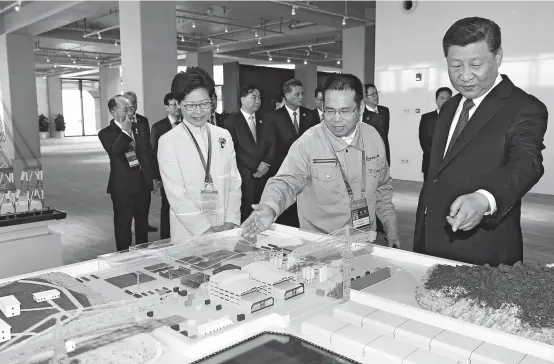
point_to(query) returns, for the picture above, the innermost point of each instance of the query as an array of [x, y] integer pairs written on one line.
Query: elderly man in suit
[[287, 124], [486, 155], [132, 96], [159, 128], [127, 142], [377, 115], [197, 163], [427, 127], [254, 147]]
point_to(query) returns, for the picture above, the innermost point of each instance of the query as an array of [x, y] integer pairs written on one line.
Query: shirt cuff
[[492, 201]]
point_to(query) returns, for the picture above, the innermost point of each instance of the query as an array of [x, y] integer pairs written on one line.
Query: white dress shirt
[[290, 111], [372, 109], [477, 102], [251, 125], [320, 115], [350, 138], [172, 120]]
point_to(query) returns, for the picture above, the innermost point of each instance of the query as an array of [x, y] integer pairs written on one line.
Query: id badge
[[132, 159], [360, 213], [210, 201]]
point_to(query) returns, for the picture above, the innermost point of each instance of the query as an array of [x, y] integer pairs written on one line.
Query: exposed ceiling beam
[[296, 46], [253, 28], [315, 8]]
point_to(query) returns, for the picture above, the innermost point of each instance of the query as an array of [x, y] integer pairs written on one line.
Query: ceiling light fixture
[[182, 39], [344, 21], [73, 61], [338, 61], [293, 12], [270, 58], [99, 36], [217, 49], [18, 6], [78, 66], [259, 40], [308, 53], [47, 59], [115, 43], [68, 55], [288, 60], [193, 24], [256, 33], [96, 57], [226, 30], [56, 65], [305, 61], [211, 41], [99, 63], [325, 55]]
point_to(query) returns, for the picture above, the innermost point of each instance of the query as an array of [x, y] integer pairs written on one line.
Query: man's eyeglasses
[[174, 105], [374, 94], [204, 106], [343, 113]]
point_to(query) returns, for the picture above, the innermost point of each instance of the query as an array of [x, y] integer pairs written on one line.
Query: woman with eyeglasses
[[197, 163]]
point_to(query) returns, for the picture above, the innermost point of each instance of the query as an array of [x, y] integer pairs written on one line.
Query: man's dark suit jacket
[[426, 129], [284, 131], [498, 151], [158, 129], [285, 135], [380, 121], [316, 117], [219, 120], [250, 154], [124, 179]]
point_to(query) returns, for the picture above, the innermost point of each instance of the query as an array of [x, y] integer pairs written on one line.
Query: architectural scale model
[[42, 296], [180, 303], [10, 306], [5, 331]]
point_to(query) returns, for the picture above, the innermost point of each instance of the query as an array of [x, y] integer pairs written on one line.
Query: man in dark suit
[[427, 127], [133, 114], [216, 118], [254, 147], [486, 155], [288, 123], [131, 171], [318, 111], [376, 115], [158, 129]]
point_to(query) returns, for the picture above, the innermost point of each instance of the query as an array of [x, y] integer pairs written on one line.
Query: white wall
[[42, 97], [410, 43]]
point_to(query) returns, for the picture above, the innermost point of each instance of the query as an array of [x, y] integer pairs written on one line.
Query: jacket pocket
[[326, 181]]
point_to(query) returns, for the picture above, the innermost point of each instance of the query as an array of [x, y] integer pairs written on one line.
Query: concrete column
[[204, 60], [19, 97], [148, 52], [308, 75], [55, 104], [231, 87], [110, 85], [358, 52]]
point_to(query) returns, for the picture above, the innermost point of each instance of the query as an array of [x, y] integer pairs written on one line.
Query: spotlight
[[98, 63], [182, 39], [44, 77], [226, 30], [73, 61], [270, 58], [211, 41], [217, 49], [68, 55], [305, 61], [325, 55], [259, 40], [256, 33], [18, 6], [344, 21], [308, 53], [288, 60], [96, 57], [56, 65], [293, 12], [47, 59], [193, 24], [78, 66], [115, 43], [338, 61], [99, 36]]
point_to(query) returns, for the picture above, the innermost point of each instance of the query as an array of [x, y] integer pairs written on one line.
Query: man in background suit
[[318, 111], [216, 118], [158, 129], [486, 155], [288, 124], [132, 115], [427, 127], [128, 142], [254, 147], [376, 115]]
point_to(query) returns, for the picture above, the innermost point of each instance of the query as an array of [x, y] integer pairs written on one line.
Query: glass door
[[81, 106]]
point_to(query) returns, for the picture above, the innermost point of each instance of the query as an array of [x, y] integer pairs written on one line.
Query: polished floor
[[76, 174]]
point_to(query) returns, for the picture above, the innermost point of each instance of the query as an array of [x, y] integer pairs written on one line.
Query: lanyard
[[344, 178], [208, 176]]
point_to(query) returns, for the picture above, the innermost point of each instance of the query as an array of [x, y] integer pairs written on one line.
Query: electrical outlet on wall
[[404, 161]]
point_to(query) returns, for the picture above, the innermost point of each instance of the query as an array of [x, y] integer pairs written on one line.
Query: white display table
[[379, 324]]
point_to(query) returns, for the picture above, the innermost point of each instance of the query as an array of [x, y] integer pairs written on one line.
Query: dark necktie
[[295, 122], [462, 122], [176, 123]]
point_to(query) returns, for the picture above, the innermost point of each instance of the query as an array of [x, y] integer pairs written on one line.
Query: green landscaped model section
[[527, 286]]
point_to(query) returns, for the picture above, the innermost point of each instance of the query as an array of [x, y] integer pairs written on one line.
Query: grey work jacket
[[310, 172]]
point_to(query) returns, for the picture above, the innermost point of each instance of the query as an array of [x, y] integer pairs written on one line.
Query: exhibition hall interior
[[180, 182]]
